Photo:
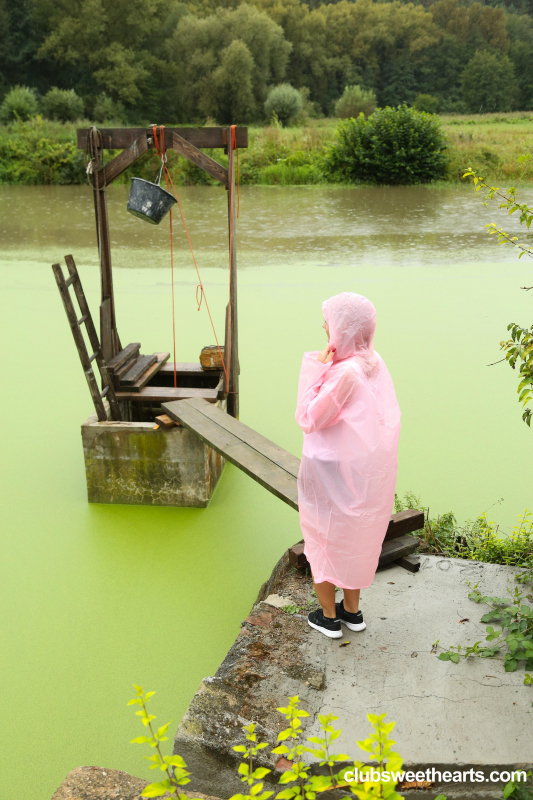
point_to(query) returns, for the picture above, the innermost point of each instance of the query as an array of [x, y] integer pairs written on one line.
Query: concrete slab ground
[[451, 717]]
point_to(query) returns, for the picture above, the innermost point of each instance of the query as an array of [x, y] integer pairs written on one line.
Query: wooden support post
[[231, 346], [108, 328]]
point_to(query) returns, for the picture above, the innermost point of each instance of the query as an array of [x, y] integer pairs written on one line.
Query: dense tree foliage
[[171, 61]]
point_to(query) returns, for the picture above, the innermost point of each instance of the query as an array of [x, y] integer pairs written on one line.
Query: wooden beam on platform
[[146, 376], [125, 355], [188, 368], [397, 550], [167, 394], [405, 522], [205, 162], [120, 138]]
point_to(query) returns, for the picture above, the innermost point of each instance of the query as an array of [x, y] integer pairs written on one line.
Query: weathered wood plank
[[147, 376], [297, 557], [162, 394], [391, 551], [120, 138], [405, 522], [186, 368], [205, 162], [257, 466], [125, 355], [253, 439], [396, 548], [105, 329], [117, 165], [138, 369], [117, 374], [410, 563]]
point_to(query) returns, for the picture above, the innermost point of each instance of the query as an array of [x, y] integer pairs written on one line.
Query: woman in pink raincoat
[[350, 417]]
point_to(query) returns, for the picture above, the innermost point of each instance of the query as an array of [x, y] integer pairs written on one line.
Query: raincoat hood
[[352, 321]]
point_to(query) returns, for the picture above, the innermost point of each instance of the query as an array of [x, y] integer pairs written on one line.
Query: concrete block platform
[[451, 717]]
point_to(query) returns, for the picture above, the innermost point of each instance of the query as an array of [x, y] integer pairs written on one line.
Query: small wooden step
[[118, 361], [137, 371], [397, 550]]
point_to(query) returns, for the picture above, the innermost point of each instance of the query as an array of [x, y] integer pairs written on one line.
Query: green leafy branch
[[323, 751], [509, 201], [520, 347], [515, 632], [174, 766], [380, 748], [298, 774], [253, 777]]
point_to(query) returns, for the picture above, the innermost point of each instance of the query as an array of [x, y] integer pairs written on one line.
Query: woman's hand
[[326, 355]]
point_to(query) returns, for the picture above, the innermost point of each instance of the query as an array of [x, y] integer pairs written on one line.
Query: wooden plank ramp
[[273, 467]]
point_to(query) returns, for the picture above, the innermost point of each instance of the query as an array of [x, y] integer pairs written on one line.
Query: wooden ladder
[[75, 326]]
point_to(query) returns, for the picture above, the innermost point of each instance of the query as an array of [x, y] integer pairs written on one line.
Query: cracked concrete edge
[[276, 576], [99, 783]]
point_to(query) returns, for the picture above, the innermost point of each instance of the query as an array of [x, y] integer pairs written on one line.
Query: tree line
[[147, 61]]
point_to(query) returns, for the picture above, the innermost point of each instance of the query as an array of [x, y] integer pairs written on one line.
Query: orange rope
[[200, 284]]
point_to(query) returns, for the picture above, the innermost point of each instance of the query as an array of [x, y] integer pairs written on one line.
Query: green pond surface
[[94, 598]]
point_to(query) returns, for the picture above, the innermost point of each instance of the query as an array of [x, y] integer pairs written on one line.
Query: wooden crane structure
[[127, 377]]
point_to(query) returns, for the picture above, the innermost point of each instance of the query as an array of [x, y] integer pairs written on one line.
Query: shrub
[[21, 102], [106, 110], [354, 101], [427, 103], [40, 152], [489, 83], [394, 145], [284, 101], [63, 105]]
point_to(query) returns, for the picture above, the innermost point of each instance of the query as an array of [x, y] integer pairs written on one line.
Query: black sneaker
[[352, 621], [329, 627]]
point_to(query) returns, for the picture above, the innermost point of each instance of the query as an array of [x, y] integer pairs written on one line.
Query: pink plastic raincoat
[[350, 417]]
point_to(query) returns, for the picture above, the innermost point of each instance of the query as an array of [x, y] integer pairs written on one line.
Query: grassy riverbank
[[43, 152]]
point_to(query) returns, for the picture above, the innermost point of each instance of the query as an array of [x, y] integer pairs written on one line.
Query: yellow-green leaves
[[174, 766], [253, 777]]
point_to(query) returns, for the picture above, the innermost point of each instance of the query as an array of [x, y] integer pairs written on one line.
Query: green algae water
[[96, 598]]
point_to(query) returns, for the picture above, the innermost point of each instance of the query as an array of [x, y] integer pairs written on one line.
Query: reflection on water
[[326, 226]]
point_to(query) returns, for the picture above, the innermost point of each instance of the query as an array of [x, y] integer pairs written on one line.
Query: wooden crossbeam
[[205, 162], [121, 138], [125, 159]]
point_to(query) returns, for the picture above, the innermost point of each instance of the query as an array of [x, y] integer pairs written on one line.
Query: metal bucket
[[149, 201]]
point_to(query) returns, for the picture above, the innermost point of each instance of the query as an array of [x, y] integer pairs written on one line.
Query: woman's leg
[[326, 597], [351, 600]]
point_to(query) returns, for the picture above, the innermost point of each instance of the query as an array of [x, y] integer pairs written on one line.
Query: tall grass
[[44, 152]]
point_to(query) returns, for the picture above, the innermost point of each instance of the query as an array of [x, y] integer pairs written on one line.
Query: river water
[[96, 598]]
